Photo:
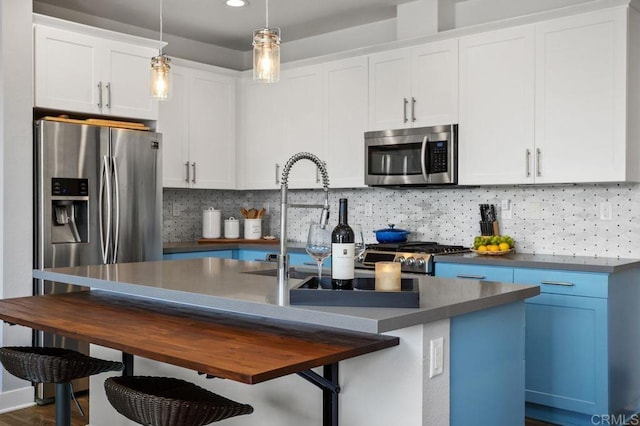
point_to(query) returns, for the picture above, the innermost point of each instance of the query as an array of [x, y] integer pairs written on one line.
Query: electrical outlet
[[368, 209], [436, 357], [606, 210], [505, 210], [176, 209], [266, 208]]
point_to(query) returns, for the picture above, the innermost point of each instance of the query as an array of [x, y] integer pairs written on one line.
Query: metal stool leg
[[63, 404]]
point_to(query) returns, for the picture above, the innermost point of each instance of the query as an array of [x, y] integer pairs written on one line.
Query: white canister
[[232, 228], [253, 229], [211, 223]]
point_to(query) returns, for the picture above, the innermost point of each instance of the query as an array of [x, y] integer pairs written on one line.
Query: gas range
[[414, 256]]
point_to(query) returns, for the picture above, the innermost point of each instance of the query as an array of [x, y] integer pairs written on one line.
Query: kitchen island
[[391, 386]]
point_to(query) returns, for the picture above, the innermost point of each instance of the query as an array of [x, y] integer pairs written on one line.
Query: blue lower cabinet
[[295, 259], [224, 254], [567, 353], [474, 272], [487, 350]]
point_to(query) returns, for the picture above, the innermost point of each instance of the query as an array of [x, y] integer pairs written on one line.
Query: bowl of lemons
[[493, 245]]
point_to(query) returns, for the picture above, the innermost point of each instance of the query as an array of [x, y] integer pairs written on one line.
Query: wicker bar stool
[[54, 365], [165, 401]]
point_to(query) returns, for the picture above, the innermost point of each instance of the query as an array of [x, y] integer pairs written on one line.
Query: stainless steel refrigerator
[[97, 200]]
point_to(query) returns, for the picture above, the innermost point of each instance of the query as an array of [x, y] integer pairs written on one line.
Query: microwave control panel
[[438, 157]]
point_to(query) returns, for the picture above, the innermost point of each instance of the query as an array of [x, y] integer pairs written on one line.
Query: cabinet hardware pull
[[538, 153], [277, 174], [413, 109], [404, 106], [528, 163], [473, 277], [99, 94], [186, 166], [562, 283], [193, 166], [108, 86]]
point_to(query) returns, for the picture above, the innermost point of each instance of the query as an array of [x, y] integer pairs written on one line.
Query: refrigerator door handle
[[116, 233], [105, 188]]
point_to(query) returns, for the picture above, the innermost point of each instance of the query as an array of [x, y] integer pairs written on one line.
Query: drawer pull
[[562, 283], [469, 276]]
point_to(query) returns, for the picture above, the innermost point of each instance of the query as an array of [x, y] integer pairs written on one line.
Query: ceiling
[[211, 21]]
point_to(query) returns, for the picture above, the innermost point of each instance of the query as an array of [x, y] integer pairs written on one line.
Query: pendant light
[[266, 52], [160, 82]]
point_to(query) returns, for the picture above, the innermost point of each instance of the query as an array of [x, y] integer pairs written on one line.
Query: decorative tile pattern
[[563, 219]]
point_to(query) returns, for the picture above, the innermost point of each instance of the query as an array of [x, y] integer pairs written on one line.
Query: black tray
[[321, 293]]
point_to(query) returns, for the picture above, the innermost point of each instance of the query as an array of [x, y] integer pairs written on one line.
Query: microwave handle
[[423, 158]]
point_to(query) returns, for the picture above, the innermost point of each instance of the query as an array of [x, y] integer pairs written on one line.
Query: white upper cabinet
[[581, 98], [414, 87], [89, 74], [553, 102], [261, 153], [345, 106], [301, 103], [496, 131], [320, 109], [173, 124], [198, 126]]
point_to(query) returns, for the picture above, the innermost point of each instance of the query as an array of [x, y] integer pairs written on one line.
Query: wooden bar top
[[238, 347]]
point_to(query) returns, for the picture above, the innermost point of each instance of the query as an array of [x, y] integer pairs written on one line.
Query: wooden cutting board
[[100, 122], [237, 241]]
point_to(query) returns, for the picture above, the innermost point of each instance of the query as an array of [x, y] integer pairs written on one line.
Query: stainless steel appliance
[[97, 200], [414, 256], [412, 157]]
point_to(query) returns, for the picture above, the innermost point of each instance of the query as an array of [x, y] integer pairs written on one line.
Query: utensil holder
[[253, 229]]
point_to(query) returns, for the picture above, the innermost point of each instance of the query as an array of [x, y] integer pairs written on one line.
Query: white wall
[[16, 102], [472, 12]]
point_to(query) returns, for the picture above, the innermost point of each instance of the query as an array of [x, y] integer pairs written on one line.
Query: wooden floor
[[45, 415]]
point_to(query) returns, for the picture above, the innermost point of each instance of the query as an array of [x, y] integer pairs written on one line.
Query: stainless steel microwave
[[412, 157]]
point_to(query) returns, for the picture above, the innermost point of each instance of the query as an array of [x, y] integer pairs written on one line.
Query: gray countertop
[[223, 284], [194, 246], [514, 260], [543, 261]]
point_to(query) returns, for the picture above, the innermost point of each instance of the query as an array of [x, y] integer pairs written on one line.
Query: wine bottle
[[342, 250]]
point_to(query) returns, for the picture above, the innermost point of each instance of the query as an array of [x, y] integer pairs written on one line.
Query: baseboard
[[16, 399]]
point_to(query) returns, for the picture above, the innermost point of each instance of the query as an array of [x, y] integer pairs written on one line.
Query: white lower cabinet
[[80, 72], [198, 126], [552, 102], [319, 109]]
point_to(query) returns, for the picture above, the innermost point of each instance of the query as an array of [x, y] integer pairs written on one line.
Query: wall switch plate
[[176, 209], [436, 357], [505, 210], [606, 210]]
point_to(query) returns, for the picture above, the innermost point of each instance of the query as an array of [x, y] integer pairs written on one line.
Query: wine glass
[[358, 241], [319, 244]]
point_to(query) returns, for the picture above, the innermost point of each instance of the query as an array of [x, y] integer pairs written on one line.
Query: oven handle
[[423, 159]]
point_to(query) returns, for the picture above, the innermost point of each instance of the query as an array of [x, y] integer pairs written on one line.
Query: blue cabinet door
[[566, 353], [224, 254], [295, 259], [475, 272]]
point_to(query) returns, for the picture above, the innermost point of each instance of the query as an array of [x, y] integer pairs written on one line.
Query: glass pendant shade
[[161, 77], [266, 55]]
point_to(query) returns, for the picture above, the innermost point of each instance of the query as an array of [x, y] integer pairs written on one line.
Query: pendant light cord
[[161, 27], [267, 13]]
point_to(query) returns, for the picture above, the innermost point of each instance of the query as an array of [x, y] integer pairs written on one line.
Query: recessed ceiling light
[[237, 3]]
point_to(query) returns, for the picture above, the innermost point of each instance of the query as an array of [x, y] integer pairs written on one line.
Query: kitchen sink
[[293, 273]]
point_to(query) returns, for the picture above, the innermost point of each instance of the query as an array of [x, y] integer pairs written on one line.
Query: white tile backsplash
[[563, 219]]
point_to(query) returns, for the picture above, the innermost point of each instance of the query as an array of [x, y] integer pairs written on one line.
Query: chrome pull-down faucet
[[283, 258]]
